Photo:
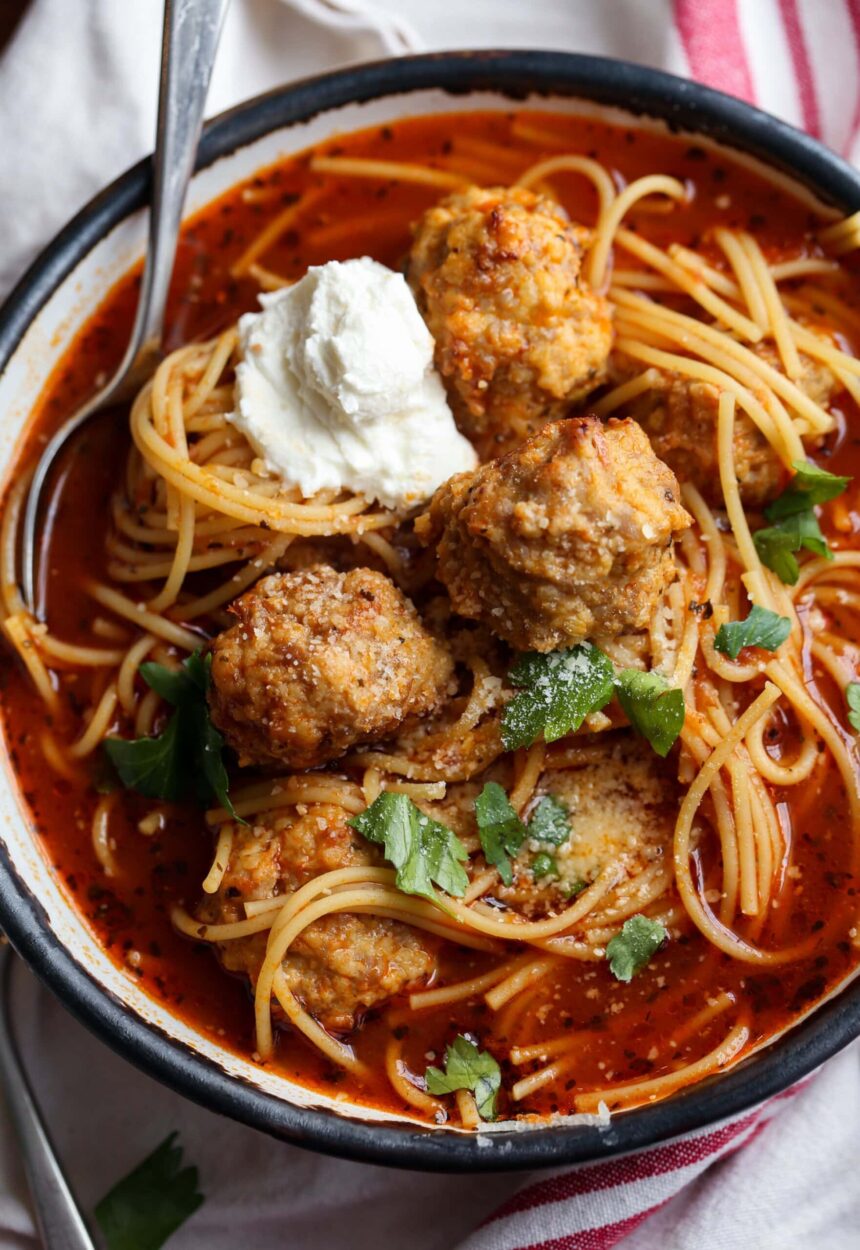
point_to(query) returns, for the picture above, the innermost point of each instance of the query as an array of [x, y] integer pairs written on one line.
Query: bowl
[[36, 324]]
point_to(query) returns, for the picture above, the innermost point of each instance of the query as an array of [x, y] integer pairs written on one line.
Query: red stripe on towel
[[714, 45]]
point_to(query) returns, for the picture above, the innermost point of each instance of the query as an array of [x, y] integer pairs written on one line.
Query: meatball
[[622, 805], [679, 415], [321, 660], [341, 965], [568, 537], [519, 336]]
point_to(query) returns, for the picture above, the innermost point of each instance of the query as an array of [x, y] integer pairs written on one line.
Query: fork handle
[[61, 1225], [189, 42]]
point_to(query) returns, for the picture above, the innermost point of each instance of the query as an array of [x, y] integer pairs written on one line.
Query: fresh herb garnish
[[499, 827], [777, 544], [654, 708], [762, 628], [544, 865], [852, 698], [557, 691], [186, 758], [147, 1206], [795, 526], [422, 850], [466, 1067], [550, 821], [631, 949], [154, 767], [809, 487], [572, 889]]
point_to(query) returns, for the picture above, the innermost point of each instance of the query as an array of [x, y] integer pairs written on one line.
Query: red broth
[[623, 1029]]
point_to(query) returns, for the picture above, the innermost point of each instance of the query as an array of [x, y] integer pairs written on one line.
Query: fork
[[61, 1225]]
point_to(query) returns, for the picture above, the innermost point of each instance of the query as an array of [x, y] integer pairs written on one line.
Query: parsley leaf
[[550, 821], [422, 850], [809, 486], [154, 767], [654, 708], [175, 686], [147, 1206], [852, 697], [777, 543], [499, 827], [631, 949], [212, 779], [573, 888], [795, 525], [466, 1067], [762, 628], [188, 755], [558, 690], [544, 865]]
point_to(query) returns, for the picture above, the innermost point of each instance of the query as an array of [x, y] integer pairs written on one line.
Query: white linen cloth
[[77, 103]]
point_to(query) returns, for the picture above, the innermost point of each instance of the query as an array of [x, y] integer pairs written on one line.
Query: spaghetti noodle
[[196, 519]]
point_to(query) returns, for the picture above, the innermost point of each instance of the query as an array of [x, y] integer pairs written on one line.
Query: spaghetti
[[196, 519]]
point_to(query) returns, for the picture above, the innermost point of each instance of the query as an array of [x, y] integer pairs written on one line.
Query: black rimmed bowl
[[39, 319]]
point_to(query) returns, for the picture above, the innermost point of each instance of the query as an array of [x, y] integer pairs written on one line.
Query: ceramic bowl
[[37, 323]]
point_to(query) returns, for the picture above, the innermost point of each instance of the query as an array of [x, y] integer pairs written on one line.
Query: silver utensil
[[189, 41], [61, 1225]]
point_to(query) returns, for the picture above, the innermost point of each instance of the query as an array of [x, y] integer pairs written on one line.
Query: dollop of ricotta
[[336, 388]]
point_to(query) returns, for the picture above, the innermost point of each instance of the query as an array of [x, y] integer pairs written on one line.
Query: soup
[[446, 688]]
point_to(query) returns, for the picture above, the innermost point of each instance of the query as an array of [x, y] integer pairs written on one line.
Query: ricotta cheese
[[336, 388]]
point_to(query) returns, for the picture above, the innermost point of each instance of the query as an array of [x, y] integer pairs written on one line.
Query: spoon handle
[[189, 42], [61, 1225]]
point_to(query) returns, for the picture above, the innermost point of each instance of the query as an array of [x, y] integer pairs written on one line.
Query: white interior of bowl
[[42, 347]]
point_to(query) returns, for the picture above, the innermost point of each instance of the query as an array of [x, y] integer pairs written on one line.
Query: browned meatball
[[341, 965], [622, 805], [679, 415], [519, 336], [319, 661], [569, 537]]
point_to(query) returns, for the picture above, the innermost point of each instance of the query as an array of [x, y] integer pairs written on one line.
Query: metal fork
[[189, 42], [61, 1225]]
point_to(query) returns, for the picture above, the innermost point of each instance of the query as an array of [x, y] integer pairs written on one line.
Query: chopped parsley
[[762, 628], [466, 1067], [559, 689], [422, 850], [543, 865], [186, 758], [146, 1207], [852, 698], [631, 949], [556, 692], [794, 523], [550, 822], [502, 833], [809, 487], [654, 708], [777, 544], [499, 828], [571, 890]]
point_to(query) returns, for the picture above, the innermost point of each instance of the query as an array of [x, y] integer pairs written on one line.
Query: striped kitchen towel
[[598, 1206]]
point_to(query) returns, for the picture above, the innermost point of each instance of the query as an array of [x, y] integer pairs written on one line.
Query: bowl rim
[[682, 105]]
